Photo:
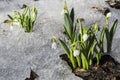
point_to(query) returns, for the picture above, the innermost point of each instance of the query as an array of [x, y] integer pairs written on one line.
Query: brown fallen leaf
[[97, 9], [9, 22], [33, 75]]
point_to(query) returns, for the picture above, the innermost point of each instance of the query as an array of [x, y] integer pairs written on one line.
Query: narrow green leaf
[[102, 40], [96, 28], [65, 8], [10, 17], [78, 61], [80, 28], [72, 15], [64, 46], [107, 33], [84, 61], [66, 33], [33, 14], [113, 30], [98, 57], [68, 24], [27, 24], [72, 58], [92, 48], [25, 11]]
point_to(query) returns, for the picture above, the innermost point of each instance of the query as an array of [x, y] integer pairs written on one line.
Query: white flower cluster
[[54, 45], [76, 53], [11, 27], [108, 15], [85, 37]]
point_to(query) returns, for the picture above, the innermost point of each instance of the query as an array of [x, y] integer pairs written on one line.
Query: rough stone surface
[[20, 51]]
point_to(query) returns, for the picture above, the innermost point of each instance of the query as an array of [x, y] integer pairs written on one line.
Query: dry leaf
[[33, 75]]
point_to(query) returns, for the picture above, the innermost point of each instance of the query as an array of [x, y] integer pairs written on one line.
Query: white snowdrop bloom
[[16, 23], [62, 12], [11, 27], [108, 15], [54, 45], [85, 37], [76, 53]]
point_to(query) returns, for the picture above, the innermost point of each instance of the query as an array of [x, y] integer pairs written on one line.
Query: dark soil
[[108, 69]]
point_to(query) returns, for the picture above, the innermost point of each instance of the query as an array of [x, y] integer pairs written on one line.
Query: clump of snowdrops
[[26, 19], [83, 43]]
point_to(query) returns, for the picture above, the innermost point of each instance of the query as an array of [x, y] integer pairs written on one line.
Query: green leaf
[[102, 40], [66, 33], [84, 61], [92, 48], [65, 8], [33, 14], [10, 17], [90, 62], [72, 15], [17, 16], [80, 28], [27, 24], [25, 11], [107, 33], [74, 37], [98, 57], [113, 30], [72, 58], [96, 28], [78, 61], [68, 24], [64, 46], [102, 35]]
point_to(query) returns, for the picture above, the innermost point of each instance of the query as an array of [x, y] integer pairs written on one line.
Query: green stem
[[107, 24], [109, 45], [72, 58], [108, 36], [78, 61]]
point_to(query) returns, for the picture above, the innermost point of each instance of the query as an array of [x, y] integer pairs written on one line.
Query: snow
[[20, 51]]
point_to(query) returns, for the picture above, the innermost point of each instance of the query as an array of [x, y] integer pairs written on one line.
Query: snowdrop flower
[[11, 27], [54, 45], [108, 15], [62, 12], [76, 53], [16, 23], [85, 37]]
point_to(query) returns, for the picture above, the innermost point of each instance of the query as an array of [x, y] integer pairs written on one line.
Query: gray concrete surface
[[19, 50]]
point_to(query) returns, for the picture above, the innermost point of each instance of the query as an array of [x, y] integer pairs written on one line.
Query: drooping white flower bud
[[62, 12], [16, 23], [108, 15], [85, 37], [76, 53], [54, 45], [11, 27]]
